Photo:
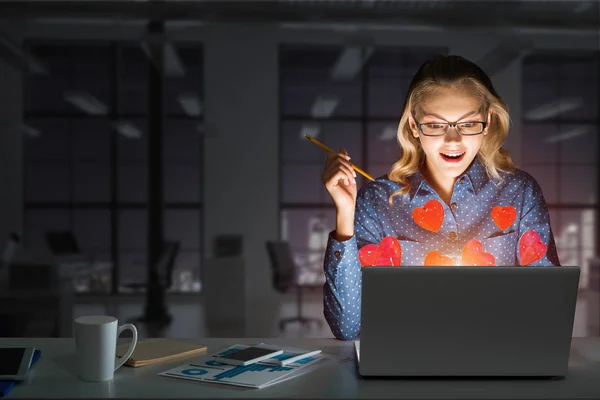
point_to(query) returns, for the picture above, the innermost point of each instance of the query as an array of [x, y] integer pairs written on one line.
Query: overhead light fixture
[[410, 27], [86, 102], [190, 104], [310, 129], [336, 27], [324, 106], [350, 62], [14, 54], [184, 23], [554, 108], [128, 130], [582, 6], [28, 130], [578, 131], [87, 21], [503, 55], [355, 27], [172, 63], [551, 31], [389, 132], [157, 47]]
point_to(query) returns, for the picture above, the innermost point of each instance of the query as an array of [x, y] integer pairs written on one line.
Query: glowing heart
[[531, 247], [387, 253], [473, 255], [430, 216], [504, 216], [434, 258]]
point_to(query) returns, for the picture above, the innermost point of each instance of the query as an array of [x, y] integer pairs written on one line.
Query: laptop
[[466, 321], [64, 248]]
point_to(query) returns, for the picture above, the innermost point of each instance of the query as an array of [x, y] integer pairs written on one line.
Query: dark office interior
[[153, 152]]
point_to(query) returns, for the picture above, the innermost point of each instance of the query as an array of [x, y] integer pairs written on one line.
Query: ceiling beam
[[449, 13]]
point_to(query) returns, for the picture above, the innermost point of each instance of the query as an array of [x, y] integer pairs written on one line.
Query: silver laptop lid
[[474, 321]]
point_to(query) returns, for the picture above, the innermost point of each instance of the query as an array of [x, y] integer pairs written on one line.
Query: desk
[[39, 293], [31, 271], [52, 377], [32, 306]]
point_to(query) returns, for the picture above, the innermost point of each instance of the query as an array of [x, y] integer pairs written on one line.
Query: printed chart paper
[[257, 375]]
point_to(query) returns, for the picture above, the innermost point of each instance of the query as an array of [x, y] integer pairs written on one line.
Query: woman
[[453, 198]]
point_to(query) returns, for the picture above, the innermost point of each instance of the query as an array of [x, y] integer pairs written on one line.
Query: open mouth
[[453, 157]]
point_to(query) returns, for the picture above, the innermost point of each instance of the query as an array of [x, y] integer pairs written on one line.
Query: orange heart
[[388, 253], [504, 216], [473, 255], [434, 258], [430, 216], [531, 247]]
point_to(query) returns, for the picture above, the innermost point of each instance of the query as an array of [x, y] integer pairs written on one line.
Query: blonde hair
[[452, 72]]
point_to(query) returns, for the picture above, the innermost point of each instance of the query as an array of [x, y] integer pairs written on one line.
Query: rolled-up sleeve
[[535, 217], [343, 274]]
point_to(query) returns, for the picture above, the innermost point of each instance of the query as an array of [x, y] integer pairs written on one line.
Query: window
[[86, 171], [560, 139], [561, 122], [67, 166], [345, 97]]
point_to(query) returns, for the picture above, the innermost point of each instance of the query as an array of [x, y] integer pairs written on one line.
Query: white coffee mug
[[96, 346]]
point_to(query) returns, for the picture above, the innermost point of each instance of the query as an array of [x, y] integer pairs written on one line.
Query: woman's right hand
[[340, 181]]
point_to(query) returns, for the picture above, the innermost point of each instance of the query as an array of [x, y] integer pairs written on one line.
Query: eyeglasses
[[463, 128]]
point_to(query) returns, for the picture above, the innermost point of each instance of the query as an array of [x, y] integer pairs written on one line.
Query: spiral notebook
[[151, 351]]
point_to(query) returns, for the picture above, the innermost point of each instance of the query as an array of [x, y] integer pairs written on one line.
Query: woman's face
[[448, 156]]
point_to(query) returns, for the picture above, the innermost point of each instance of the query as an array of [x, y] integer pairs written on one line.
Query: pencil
[[321, 145]]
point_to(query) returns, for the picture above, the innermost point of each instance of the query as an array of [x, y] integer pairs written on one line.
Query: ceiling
[[523, 14]]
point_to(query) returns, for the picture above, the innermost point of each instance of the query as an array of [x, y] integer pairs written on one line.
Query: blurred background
[[153, 161]]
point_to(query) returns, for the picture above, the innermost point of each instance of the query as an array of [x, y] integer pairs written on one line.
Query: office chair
[[285, 278], [10, 249], [159, 281], [163, 268]]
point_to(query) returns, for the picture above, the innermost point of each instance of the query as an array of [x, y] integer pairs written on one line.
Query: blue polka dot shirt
[[469, 216]]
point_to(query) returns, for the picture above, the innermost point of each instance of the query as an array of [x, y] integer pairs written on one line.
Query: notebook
[[151, 351]]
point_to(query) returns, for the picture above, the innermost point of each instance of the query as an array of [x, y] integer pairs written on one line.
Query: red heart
[[531, 247], [434, 258], [473, 255], [388, 252], [504, 216], [430, 216]]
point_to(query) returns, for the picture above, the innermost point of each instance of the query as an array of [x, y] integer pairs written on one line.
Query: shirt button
[[462, 180], [453, 206], [452, 235], [338, 253]]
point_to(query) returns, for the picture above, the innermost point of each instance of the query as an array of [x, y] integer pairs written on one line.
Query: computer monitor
[[62, 243]]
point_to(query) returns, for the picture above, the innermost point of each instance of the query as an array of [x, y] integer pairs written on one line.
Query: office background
[[239, 87]]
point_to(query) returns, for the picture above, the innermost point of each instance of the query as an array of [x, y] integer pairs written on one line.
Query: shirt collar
[[476, 175], [416, 180]]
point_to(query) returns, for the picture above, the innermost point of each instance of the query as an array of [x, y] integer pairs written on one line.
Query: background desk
[[37, 295], [52, 377]]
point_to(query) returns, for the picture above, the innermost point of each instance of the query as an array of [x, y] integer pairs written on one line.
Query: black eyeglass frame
[[455, 126]]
